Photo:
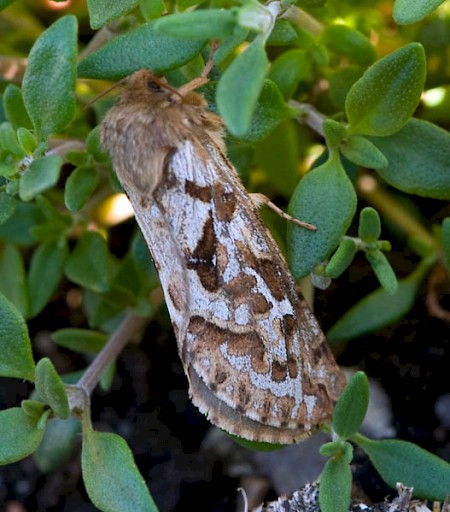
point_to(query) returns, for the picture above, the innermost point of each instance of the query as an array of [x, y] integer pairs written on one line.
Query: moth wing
[[257, 360]]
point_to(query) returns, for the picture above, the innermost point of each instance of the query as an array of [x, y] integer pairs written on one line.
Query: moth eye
[[153, 86]]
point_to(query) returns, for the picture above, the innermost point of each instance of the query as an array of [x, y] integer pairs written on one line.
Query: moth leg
[[261, 199], [203, 78]]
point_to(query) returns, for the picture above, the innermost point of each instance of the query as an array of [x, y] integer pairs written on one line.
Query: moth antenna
[[203, 78], [104, 93]]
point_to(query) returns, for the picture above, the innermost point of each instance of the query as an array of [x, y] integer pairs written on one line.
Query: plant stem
[[309, 115], [110, 351], [303, 20]]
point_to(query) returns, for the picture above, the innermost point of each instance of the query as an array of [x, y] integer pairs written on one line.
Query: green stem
[[303, 20]]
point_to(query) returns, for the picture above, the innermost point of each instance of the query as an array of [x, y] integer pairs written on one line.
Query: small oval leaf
[[42, 174], [341, 259], [19, 434], [46, 271], [400, 461], [7, 206], [17, 358], [102, 12], [80, 340], [289, 69], [369, 229], [383, 270], [446, 241], [14, 107], [79, 187], [199, 24], [411, 11], [348, 42], [12, 278], [325, 197], [352, 406], [335, 486], [418, 159], [89, 263], [49, 81], [56, 446], [51, 388], [240, 87], [385, 97], [140, 48], [361, 151], [110, 475], [378, 309]]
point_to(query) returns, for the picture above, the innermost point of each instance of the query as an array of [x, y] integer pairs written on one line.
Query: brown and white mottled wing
[[257, 361]]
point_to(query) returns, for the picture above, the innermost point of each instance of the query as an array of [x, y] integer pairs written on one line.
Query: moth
[[257, 362]]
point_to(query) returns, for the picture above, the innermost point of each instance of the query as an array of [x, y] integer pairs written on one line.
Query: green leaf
[[335, 486], [340, 82], [289, 69], [411, 11], [325, 197], [341, 259], [5, 3], [51, 388], [7, 206], [94, 146], [14, 107], [19, 434], [102, 12], [337, 449], [369, 229], [42, 174], [80, 340], [352, 406], [278, 156], [361, 151], [240, 87], [446, 241], [46, 271], [8, 140], [140, 48], [152, 9], [79, 187], [383, 270], [348, 42], [282, 34], [57, 444], [12, 278], [271, 110], [110, 475], [89, 264], [33, 408], [26, 140], [17, 229], [199, 24], [378, 309], [385, 97], [229, 44], [400, 461], [419, 159], [334, 132], [49, 81]]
